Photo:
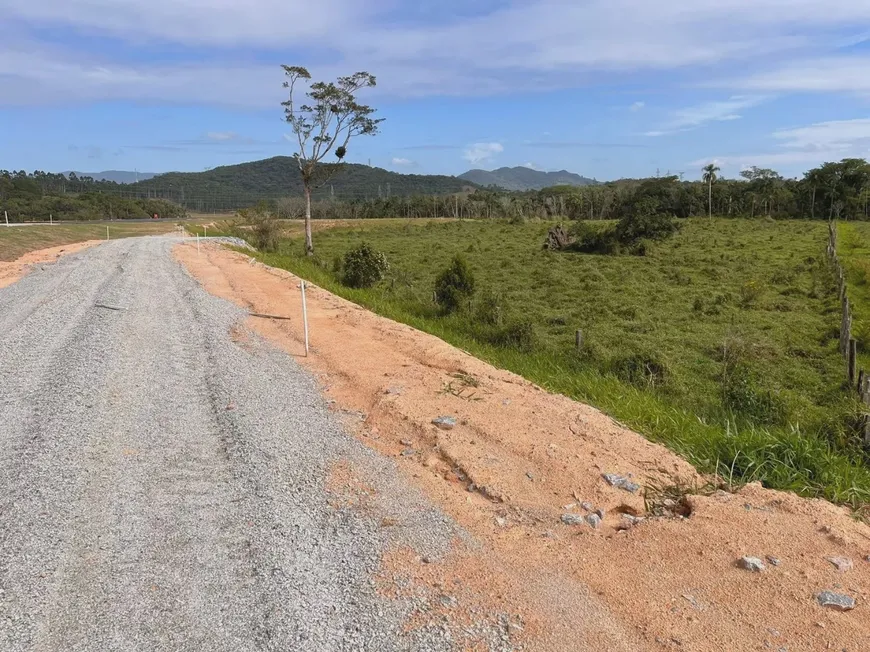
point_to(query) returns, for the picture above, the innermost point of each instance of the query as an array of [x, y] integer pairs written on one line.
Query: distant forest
[[833, 190]]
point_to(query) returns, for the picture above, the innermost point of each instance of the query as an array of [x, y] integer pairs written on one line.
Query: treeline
[[40, 196], [833, 190]]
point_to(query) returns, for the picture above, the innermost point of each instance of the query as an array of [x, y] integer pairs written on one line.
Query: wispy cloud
[[222, 136], [637, 106], [528, 45], [810, 145], [433, 148], [843, 74], [718, 111], [573, 144], [480, 152], [402, 162]]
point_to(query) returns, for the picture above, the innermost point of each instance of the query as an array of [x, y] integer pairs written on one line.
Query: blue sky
[[604, 88]]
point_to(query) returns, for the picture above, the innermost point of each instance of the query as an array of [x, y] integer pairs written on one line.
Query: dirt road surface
[[168, 481], [588, 566]]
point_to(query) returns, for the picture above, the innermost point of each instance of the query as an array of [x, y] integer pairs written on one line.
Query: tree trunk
[[309, 243], [710, 197], [813, 205]]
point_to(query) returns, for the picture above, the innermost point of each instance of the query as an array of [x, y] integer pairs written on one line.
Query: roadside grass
[[664, 334], [234, 225], [16, 241], [853, 247]]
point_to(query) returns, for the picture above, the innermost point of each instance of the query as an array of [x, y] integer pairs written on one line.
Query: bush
[[262, 229], [363, 267], [488, 309], [632, 234], [632, 230], [640, 369], [454, 286], [519, 335], [741, 395], [750, 293]]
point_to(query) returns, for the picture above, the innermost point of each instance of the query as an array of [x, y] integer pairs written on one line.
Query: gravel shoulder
[[168, 480], [588, 563]]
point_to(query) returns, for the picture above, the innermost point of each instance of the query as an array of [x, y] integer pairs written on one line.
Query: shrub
[[454, 286], [363, 267], [742, 396], [262, 229], [488, 309], [641, 369], [632, 234], [519, 335], [750, 293], [632, 230]]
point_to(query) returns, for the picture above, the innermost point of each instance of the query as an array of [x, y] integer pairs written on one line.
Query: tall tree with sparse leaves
[[325, 123], [710, 172]]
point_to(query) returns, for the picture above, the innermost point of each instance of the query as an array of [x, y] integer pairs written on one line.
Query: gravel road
[[164, 486]]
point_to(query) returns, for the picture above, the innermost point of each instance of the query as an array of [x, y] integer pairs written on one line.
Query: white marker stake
[[197, 242], [107, 232], [205, 230], [6, 215], [305, 318], [50, 219]]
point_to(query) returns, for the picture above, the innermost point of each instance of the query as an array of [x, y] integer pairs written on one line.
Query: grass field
[[853, 244], [18, 240], [720, 343]]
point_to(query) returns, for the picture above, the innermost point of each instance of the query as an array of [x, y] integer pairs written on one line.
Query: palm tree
[[710, 171]]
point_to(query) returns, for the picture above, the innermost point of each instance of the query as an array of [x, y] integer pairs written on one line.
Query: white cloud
[[221, 136], [810, 145], [525, 45], [402, 162], [825, 75], [480, 152], [717, 111], [531, 166], [637, 106]]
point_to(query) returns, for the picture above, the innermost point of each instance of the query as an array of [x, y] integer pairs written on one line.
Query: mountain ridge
[[118, 176], [523, 178]]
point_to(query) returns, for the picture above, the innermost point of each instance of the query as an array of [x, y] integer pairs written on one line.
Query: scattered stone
[[445, 423], [589, 507], [752, 564], [406, 442], [773, 561], [426, 560], [842, 564], [500, 521], [632, 520], [395, 391], [594, 520], [572, 519], [448, 601], [530, 476], [621, 482], [600, 513], [835, 601], [867, 558], [409, 452]]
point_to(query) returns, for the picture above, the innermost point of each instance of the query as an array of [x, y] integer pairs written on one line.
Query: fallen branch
[[256, 314], [102, 305]]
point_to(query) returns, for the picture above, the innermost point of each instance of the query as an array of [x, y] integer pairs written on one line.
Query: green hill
[[523, 178], [235, 186]]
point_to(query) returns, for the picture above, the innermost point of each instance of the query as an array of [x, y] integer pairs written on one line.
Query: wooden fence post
[[579, 340], [853, 357]]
